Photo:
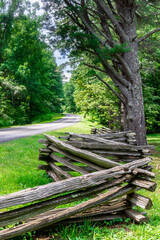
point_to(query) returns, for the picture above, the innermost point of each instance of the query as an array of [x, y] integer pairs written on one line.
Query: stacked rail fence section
[[101, 174]]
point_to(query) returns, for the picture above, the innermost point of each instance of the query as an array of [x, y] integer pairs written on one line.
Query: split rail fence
[[111, 172]]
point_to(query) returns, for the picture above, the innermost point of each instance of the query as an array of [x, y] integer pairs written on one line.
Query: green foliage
[[69, 103], [149, 56], [109, 53], [30, 83], [94, 99], [152, 113], [152, 99]]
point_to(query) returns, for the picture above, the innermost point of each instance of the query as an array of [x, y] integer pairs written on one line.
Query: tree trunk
[[133, 110], [111, 24]]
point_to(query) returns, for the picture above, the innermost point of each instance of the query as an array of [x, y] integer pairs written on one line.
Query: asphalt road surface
[[9, 134]]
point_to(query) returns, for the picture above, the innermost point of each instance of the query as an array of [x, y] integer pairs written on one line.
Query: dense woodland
[[30, 82], [107, 78]]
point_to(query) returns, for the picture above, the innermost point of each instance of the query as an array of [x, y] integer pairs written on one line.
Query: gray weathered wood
[[92, 145], [59, 170], [136, 216], [139, 200], [148, 168], [109, 143], [146, 184], [75, 158], [84, 154], [112, 147], [108, 217], [72, 138], [105, 135], [130, 134], [117, 153], [138, 163], [143, 172], [103, 209], [54, 175], [51, 189], [118, 206], [48, 220], [21, 214], [43, 141], [68, 164], [45, 150], [99, 218], [64, 168]]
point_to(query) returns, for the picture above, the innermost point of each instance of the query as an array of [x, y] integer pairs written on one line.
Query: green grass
[[18, 164], [19, 160], [47, 118], [154, 139]]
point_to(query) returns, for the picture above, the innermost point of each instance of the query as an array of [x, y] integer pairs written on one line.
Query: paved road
[[9, 134]]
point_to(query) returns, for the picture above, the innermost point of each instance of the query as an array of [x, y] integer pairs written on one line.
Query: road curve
[[9, 134]]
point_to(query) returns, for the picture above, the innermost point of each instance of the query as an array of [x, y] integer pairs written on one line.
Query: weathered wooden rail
[[125, 136], [110, 186], [109, 145]]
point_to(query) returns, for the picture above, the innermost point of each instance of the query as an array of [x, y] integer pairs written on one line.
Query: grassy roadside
[[18, 164], [47, 118], [19, 160]]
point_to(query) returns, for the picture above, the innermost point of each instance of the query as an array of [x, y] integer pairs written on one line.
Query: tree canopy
[[107, 33], [30, 82]]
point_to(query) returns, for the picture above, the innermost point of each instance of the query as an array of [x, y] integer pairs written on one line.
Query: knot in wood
[[126, 169]]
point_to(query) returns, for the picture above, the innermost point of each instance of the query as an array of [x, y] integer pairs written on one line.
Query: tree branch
[[94, 67], [113, 20], [87, 50], [117, 84], [107, 39], [105, 25], [126, 67], [148, 34], [111, 7], [89, 28], [114, 75], [110, 88]]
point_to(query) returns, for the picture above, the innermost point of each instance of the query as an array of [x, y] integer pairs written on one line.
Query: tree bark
[[134, 118]]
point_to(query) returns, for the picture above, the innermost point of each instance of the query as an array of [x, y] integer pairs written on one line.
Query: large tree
[[106, 30]]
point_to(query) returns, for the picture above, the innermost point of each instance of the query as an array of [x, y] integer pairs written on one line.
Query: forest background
[[31, 82]]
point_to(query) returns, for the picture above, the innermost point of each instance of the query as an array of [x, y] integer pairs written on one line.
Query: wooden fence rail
[[110, 186]]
